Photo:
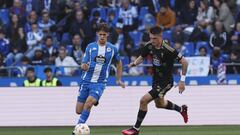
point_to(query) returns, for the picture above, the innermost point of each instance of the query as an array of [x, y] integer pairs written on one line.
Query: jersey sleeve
[[86, 55], [116, 54], [174, 53], [145, 50]]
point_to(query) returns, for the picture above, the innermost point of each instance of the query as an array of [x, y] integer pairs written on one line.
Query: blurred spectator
[[38, 58], [45, 23], [18, 9], [12, 29], [64, 60], [205, 13], [50, 51], [149, 21], [116, 37], [4, 44], [76, 52], [137, 70], [34, 38], [188, 14], [81, 25], [30, 5], [216, 60], [202, 51], [32, 80], [178, 35], [50, 80], [128, 14], [51, 6], [17, 45], [95, 21], [25, 63], [199, 32], [31, 18], [166, 17], [153, 6], [234, 58], [236, 36], [219, 36], [223, 13], [6, 3], [3, 72], [111, 19]]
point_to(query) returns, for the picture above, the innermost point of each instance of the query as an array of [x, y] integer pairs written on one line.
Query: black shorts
[[158, 91]]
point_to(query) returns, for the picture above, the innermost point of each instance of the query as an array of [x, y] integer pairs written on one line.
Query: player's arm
[[181, 84], [85, 60], [119, 74], [138, 61]]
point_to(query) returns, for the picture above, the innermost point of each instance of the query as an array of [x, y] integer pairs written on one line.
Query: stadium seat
[[142, 13], [202, 44], [66, 38], [168, 35], [4, 16], [136, 36], [189, 49]]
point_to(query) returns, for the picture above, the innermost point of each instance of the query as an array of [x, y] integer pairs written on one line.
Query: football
[[82, 129]]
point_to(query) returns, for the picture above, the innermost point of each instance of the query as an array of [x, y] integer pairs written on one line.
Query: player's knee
[[78, 112], [143, 102], [158, 106], [88, 105]]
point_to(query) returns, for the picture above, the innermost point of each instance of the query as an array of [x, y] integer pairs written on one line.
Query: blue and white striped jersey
[[99, 59]]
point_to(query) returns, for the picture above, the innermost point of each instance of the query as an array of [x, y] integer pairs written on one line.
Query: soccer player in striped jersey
[[96, 65]]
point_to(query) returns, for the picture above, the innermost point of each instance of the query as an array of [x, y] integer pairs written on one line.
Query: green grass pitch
[[161, 130]]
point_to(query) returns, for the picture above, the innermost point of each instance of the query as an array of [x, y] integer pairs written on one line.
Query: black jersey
[[162, 60]]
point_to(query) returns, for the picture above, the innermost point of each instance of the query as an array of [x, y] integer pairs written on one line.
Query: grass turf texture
[[161, 130]]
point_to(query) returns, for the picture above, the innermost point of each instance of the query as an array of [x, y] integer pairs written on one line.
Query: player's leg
[[160, 102], [145, 100], [95, 92], [82, 97]]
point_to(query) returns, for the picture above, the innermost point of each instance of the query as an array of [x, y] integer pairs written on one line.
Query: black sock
[[141, 116], [172, 106]]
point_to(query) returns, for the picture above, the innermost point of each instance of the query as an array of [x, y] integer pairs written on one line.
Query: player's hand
[[181, 86], [85, 66], [131, 65], [120, 83]]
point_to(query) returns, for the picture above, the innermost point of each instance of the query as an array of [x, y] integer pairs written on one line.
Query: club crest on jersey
[[100, 59], [156, 61], [109, 49]]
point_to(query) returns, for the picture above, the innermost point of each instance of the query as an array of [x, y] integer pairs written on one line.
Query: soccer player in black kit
[[163, 56]]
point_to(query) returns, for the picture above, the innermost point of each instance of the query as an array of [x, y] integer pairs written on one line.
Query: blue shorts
[[90, 89]]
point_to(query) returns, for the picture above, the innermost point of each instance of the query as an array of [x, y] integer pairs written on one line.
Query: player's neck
[[101, 44], [158, 46]]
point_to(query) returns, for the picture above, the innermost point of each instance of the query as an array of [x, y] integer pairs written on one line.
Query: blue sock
[[84, 116]]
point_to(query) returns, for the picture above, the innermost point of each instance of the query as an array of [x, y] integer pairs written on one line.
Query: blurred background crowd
[[56, 32]]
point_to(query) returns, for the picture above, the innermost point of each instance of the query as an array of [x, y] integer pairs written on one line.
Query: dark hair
[[202, 47], [155, 30], [48, 37], [31, 69], [102, 27], [47, 69]]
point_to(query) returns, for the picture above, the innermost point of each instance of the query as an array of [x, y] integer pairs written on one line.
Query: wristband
[[183, 78]]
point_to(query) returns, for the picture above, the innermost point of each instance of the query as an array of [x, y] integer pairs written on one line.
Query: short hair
[[102, 27], [156, 30], [47, 69], [31, 69]]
